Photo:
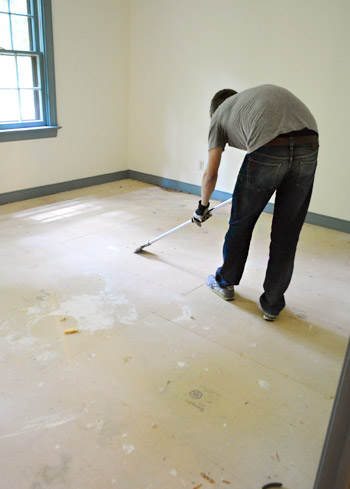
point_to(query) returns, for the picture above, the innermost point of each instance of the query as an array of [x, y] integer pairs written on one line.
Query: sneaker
[[269, 317], [226, 293]]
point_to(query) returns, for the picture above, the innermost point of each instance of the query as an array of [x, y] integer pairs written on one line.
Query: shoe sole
[[222, 296], [267, 318]]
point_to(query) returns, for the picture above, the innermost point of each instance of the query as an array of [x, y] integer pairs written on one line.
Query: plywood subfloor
[[166, 386]]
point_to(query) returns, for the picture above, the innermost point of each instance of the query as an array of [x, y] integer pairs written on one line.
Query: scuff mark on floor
[[43, 423]]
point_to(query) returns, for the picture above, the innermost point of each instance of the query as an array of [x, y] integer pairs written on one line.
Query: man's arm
[[211, 174], [208, 185]]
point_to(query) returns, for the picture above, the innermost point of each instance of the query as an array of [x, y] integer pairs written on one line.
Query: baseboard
[[31, 193], [55, 188], [311, 218], [189, 188]]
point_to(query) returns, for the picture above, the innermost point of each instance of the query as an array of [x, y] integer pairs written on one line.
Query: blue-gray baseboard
[[31, 193], [55, 188]]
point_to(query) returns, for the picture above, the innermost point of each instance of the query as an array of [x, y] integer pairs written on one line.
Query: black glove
[[201, 214]]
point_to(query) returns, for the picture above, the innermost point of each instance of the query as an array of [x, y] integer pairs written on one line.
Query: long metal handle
[[161, 236]]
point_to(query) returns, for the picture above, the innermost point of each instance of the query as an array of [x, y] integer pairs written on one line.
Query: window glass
[[4, 6], [5, 33], [20, 33], [8, 77], [9, 104], [29, 106], [27, 71], [19, 6]]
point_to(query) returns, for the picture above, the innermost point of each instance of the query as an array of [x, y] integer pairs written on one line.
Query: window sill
[[29, 133]]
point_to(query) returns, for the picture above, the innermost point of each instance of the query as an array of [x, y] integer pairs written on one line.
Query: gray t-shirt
[[252, 118]]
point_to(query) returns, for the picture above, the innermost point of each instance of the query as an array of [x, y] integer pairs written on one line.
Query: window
[[27, 85]]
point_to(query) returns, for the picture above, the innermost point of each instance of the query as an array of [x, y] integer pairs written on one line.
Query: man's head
[[220, 97]]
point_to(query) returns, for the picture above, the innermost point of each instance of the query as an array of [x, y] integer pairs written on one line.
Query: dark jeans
[[290, 172]]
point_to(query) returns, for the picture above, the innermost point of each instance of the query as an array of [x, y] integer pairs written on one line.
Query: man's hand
[[201, 214]]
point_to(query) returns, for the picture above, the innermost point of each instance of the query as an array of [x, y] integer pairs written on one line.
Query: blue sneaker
[[226, 293]]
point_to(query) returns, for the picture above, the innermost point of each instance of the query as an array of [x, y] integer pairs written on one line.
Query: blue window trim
[[20, 134], [50, 127]]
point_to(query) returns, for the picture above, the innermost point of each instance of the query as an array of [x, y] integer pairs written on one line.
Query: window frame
[[46, 128]]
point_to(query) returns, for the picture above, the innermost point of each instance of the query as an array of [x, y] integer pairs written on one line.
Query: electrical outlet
[[201, 165]]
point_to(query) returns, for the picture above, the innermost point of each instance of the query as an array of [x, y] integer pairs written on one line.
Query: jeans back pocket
[[306, 173], [262, 175]]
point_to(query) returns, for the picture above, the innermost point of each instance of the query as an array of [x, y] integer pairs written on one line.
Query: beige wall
[[91, 44], [183, 51]]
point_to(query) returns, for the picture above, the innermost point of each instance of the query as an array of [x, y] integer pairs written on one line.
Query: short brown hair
[[220, 97]]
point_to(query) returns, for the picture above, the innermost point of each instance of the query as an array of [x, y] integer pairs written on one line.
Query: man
[[280, 136]]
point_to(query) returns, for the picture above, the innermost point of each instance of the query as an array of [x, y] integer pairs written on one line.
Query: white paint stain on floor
[[181, 364], [16, 340], [42, 423], [46, 356], [127, 449], [264, 384], [92, 312], [186, 315]]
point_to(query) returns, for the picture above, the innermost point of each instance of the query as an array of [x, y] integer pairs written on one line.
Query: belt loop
[[291, 144], [291, 148]]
